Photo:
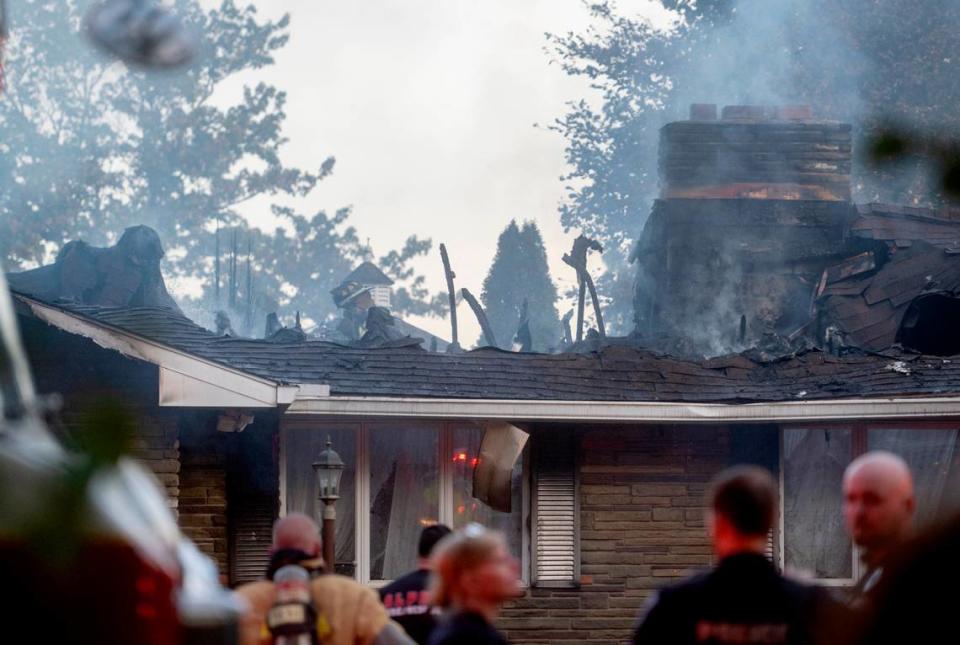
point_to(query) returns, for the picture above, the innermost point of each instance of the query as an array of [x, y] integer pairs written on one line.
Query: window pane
[[404, 495], [814, 539], [466, 509], [301, 447], [930, 453]]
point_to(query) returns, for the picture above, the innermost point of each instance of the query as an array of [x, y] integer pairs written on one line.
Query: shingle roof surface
[[369, 274], [924, 254], [614, 374], [902, 225]]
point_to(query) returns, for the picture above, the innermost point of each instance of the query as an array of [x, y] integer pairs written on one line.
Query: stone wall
[[203, 493], [641, 526], [181, 447], [157, 444]]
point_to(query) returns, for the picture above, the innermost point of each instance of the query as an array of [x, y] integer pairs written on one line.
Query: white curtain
[[815, 540], [404, 495], [929, 452]]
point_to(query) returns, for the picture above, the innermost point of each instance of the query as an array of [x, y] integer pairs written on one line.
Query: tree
[[295, 272], [613, 175], [93, 146], [410, 296], [90, 146], [519, 273]]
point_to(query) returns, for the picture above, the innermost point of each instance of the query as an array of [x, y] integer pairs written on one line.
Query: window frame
[[859, 434], [445, 474]]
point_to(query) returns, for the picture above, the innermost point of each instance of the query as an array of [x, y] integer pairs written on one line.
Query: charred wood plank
[[450, 275], [481, 315]]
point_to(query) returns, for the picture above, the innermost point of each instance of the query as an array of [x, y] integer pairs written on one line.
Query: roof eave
[[631, 411], [185, 380]]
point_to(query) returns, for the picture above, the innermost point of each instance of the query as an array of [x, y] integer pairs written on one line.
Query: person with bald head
[[878, 506], [347, 613]]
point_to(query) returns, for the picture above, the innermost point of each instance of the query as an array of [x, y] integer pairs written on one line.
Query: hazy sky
[[429, 107]]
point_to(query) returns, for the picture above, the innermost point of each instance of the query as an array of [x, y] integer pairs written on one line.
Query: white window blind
[[556, 548]]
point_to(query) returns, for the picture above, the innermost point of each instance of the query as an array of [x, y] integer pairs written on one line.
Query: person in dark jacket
[[473, 574], [913, 600], [743, 600], [407, 599], [878, 508]]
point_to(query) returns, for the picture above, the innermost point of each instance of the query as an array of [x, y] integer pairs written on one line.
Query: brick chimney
[[755, 152]]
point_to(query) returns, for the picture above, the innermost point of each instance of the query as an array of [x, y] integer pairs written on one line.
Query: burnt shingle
[[612, 374]]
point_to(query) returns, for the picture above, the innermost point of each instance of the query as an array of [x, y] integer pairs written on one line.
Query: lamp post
[[328, 468]]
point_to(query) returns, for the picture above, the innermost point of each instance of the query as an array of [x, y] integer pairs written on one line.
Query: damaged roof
[[901, 226], [615, 373], [923, 251]]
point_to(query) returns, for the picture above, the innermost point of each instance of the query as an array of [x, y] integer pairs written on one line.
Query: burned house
[[603, 498], [606, 498], [755, 241]]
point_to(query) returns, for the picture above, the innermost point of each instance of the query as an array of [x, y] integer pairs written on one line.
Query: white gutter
[[186, 380], [623, 412]]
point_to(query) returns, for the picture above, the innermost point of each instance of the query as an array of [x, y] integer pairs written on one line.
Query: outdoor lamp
[[328, 468]]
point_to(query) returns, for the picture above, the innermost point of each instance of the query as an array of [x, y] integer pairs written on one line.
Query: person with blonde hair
[[473, 574]]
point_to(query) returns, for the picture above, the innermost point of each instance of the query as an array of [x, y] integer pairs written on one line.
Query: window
[[399, 477], [300, 446], [404, 495], [814, 538], [930, 453], [465, 452]]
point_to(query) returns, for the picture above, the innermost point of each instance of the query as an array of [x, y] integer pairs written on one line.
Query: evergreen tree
[[519, 273]]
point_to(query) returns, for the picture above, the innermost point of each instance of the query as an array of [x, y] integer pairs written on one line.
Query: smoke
[[769, 52], [863, 62], [870, 63]]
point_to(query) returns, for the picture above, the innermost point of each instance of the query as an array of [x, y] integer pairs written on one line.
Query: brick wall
[[203, 487], [641, 526], [181, 447], [155, 441], [157, 444]]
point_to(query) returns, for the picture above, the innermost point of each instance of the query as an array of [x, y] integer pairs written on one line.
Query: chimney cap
[[703, 111], [759, 112]]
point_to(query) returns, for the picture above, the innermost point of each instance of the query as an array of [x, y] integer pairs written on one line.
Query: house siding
[[157, 444], [203, 487], [642, 501]]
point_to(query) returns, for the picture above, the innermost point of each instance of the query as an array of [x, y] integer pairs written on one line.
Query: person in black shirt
[[878, 508], [743, 600], [912, 600], [473, 574], [407, 599]]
